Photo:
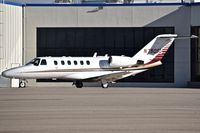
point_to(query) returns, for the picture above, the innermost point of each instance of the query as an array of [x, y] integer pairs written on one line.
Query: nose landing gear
[[22, 84]]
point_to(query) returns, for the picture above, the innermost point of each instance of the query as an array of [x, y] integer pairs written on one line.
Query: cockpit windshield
[[35, 62]]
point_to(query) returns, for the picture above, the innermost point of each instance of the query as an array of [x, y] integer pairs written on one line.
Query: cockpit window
[[43, 62], [35, 62]]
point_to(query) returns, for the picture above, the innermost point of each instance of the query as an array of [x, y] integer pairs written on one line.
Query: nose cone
[[10, 73], [13, 72], [7, 73]]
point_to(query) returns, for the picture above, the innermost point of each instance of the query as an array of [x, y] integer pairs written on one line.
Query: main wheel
[[22, 84], [79, 84], [104, 85]]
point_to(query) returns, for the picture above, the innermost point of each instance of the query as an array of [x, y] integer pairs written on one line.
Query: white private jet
[[104, 69]]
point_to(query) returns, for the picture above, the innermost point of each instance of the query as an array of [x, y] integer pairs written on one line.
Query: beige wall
[[10, 37]]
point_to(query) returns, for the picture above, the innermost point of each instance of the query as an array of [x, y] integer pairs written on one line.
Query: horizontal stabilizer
[[186, 37]]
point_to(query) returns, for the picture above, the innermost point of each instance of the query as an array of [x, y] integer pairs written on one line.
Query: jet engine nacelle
[[121, 61]]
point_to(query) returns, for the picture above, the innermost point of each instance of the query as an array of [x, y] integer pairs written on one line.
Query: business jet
[[104, 69]]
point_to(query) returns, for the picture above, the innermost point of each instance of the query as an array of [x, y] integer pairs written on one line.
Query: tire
[[79, 84], [22, 84], [104, 85]]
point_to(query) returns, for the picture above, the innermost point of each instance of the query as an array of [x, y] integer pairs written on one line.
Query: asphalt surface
[[96, 110]]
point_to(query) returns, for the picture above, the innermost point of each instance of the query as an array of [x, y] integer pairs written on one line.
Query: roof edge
[[101, 4], [12, 3]]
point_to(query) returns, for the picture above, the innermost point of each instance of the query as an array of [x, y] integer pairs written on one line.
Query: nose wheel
[[22, 84]]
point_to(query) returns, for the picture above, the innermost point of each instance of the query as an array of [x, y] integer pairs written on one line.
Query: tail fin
[[155, 50]]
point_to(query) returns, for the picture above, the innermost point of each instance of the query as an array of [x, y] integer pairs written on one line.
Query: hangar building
[[80, 29]]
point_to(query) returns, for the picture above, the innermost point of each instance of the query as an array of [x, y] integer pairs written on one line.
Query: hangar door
[[111, 41]]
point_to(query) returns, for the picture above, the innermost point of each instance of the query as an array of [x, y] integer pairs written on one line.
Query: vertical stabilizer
[[155, 50]]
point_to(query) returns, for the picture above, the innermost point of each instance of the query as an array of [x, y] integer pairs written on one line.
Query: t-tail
[[155, 50]]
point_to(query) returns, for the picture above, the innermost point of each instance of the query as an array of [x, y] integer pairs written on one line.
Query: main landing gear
[[78, 84], [104, 85]]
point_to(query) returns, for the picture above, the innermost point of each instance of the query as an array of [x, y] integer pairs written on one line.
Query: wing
[[116, 76], [109, 75], [126, 72]]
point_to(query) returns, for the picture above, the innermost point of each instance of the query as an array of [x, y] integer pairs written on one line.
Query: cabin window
[[88, 62], [69, 62], [55, 63], [75, 63], [43, 62], [81, 62], [62, 62]]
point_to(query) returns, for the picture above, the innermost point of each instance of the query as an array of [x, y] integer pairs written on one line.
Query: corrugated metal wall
[[10, 37]]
